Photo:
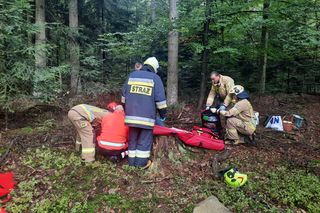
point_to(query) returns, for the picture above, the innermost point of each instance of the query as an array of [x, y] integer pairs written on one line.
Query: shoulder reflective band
[[88, 150], [106, 143], [161, 104], [139, 120], [141, 82], [142, 154], [88, 111]]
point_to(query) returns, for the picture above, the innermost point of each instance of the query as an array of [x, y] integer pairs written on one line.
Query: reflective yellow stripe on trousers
[[131, 153], [142, 154], [88, 150]]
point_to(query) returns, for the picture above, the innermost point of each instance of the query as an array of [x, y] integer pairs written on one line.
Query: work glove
[[160, 121], [222, 108], [213, 110], [224, 112]]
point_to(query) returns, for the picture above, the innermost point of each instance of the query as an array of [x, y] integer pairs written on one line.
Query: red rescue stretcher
[[198, 137]]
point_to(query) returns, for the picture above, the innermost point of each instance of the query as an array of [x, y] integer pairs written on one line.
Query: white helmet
[[153, 62], [237, 89]]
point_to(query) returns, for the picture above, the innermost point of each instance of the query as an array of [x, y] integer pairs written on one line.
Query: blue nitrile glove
[[222, 108], [160, 121]]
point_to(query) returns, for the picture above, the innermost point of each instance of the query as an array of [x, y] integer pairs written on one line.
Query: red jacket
[[114, 132]]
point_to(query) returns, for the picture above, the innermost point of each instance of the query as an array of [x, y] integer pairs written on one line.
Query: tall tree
[[205, 52], [153, 10], [74, 47], [173, 41], [40, 55], [264, 45]]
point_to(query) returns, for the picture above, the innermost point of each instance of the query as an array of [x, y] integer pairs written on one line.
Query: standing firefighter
[[219, 95], [240, 118], [83, 117], [143, 94]]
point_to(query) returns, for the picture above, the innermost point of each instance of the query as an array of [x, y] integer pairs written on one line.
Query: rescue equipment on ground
[[287, 123], [6, 186], [212, 121], [274, 122], [297, 120], [198, 137], [234, 178]]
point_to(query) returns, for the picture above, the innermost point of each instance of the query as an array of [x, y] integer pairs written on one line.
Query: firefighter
[[113, 139], [240, 118], [143, 95], [219, 95], [84, 117]]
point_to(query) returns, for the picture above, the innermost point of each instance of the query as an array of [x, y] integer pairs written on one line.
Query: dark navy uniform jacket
[[143, 93]]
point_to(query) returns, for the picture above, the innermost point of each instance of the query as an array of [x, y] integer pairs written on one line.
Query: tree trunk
[[40, 55], [40, 41], [264, 46], [166, 152], [153, 10], [74, 47], [204, 58], [173, 40]]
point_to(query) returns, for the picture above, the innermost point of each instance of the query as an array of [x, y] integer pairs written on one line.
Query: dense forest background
[[53, 48], [55, 54]]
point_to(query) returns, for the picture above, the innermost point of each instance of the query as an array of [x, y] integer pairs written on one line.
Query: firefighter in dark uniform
[[143, 95]]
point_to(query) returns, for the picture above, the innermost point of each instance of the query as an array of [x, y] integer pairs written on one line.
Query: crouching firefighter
[[84, 117], [113, 139], [240, 118], [143, 94]]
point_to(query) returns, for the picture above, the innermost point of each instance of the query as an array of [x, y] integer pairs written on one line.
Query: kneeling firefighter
[[240, 118], [83, 117], [143, 94], [113, 139]]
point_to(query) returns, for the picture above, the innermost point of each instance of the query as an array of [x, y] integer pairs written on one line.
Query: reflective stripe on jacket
[[114, 132], [90, 112], [243, 110], [143, 93]]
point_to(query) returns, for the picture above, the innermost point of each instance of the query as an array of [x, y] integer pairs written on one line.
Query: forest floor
[[283, 169]]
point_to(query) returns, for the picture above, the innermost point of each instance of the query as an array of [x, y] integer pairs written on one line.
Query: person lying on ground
[[240, 118], [84, 117]]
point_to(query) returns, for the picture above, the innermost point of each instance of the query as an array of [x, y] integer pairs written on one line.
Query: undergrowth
[[55, 180]]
